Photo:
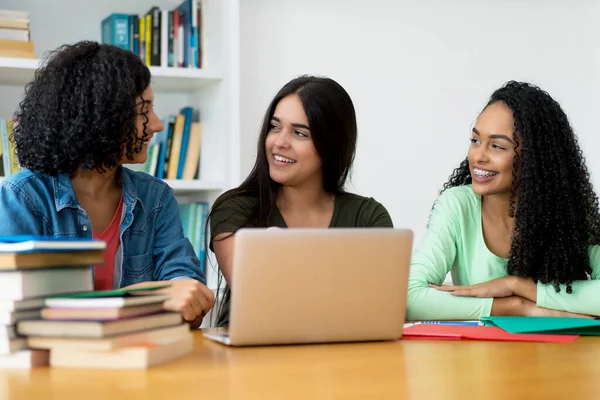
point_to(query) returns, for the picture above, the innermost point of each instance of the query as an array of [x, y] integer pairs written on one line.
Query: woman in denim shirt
[[88, 111]]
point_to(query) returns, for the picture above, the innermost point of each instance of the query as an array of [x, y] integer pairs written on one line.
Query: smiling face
[[291, 155], [492, 151]]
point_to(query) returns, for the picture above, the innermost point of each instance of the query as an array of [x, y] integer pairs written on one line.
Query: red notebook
[[458, 332]]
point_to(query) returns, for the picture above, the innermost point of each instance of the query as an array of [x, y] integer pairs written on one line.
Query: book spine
[[14, 160], [149, 40], [156, 36], [142, 30], [199, 35], [188, 114], [106, 30], [169, 145], [135, 34], [3, 149], [164, 38], [170, 46], [6, 147], [120, 31], [194, 34], [162, 141]]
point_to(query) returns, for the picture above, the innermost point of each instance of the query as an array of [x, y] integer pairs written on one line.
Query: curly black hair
[[556, 215], [80, 110]]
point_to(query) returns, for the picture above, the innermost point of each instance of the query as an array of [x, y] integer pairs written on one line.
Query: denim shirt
[[152, 246]]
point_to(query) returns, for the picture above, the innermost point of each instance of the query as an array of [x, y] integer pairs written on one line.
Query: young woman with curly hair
[[88, 111], [517, 224]]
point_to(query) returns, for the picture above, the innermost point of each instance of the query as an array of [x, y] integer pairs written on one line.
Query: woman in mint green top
[[517, 225]]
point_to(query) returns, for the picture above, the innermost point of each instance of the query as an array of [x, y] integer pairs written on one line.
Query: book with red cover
[[458, 332]]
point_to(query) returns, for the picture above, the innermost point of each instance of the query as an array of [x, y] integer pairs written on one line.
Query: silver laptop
[[308, 285]]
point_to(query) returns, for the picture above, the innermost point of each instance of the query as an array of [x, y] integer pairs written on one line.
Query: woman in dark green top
[[305, 151]]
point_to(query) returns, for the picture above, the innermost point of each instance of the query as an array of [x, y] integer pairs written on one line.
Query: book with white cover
[[12, 345], [104, 302], [19, 285], [11, 317], [7, 332], [134, 357], [112, 342], [20, 305], [97, 329], [58, 259], [25, 359], [46, 243], [14, 14]]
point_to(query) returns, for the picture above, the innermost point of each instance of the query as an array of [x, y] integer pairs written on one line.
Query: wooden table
[[406, 369]]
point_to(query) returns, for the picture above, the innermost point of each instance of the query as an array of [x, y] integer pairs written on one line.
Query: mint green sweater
[[454, 242]]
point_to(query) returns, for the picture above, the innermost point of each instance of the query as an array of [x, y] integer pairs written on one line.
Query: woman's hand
[[501, 287], [188, 296], [535, 311], [518, 306]]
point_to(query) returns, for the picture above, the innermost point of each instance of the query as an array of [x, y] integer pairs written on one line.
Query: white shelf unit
[[20, 71], [213, 89], [189, 187]]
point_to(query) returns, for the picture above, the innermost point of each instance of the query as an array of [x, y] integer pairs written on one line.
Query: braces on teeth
[[484, 173]]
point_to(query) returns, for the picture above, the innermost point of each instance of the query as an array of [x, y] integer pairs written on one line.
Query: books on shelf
[[14, 35], [9, 163], [163, 38], [193, 219], [174, 152]]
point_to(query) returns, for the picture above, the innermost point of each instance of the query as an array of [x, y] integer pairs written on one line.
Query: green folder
[[550, 325], [108, 293]]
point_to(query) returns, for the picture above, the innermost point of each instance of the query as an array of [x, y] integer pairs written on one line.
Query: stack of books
[[30, 270], [52, 316], [14, 35], [114, 329]]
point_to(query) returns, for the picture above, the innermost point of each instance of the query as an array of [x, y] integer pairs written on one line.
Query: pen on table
[[463, 323]]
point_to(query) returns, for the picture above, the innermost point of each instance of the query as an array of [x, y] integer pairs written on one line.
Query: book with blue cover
[[33, 243], [116, 31]]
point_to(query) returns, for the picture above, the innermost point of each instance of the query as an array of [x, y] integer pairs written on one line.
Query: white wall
[[419, 72]]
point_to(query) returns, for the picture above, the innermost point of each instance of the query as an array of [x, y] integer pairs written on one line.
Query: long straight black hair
[[332, 121]]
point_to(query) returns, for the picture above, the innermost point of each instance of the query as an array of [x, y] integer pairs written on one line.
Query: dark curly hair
[[556, 212], [80, 110]]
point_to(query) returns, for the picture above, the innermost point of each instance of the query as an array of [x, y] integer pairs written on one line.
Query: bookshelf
[[189, 187], [19, 71], [213, 89]]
